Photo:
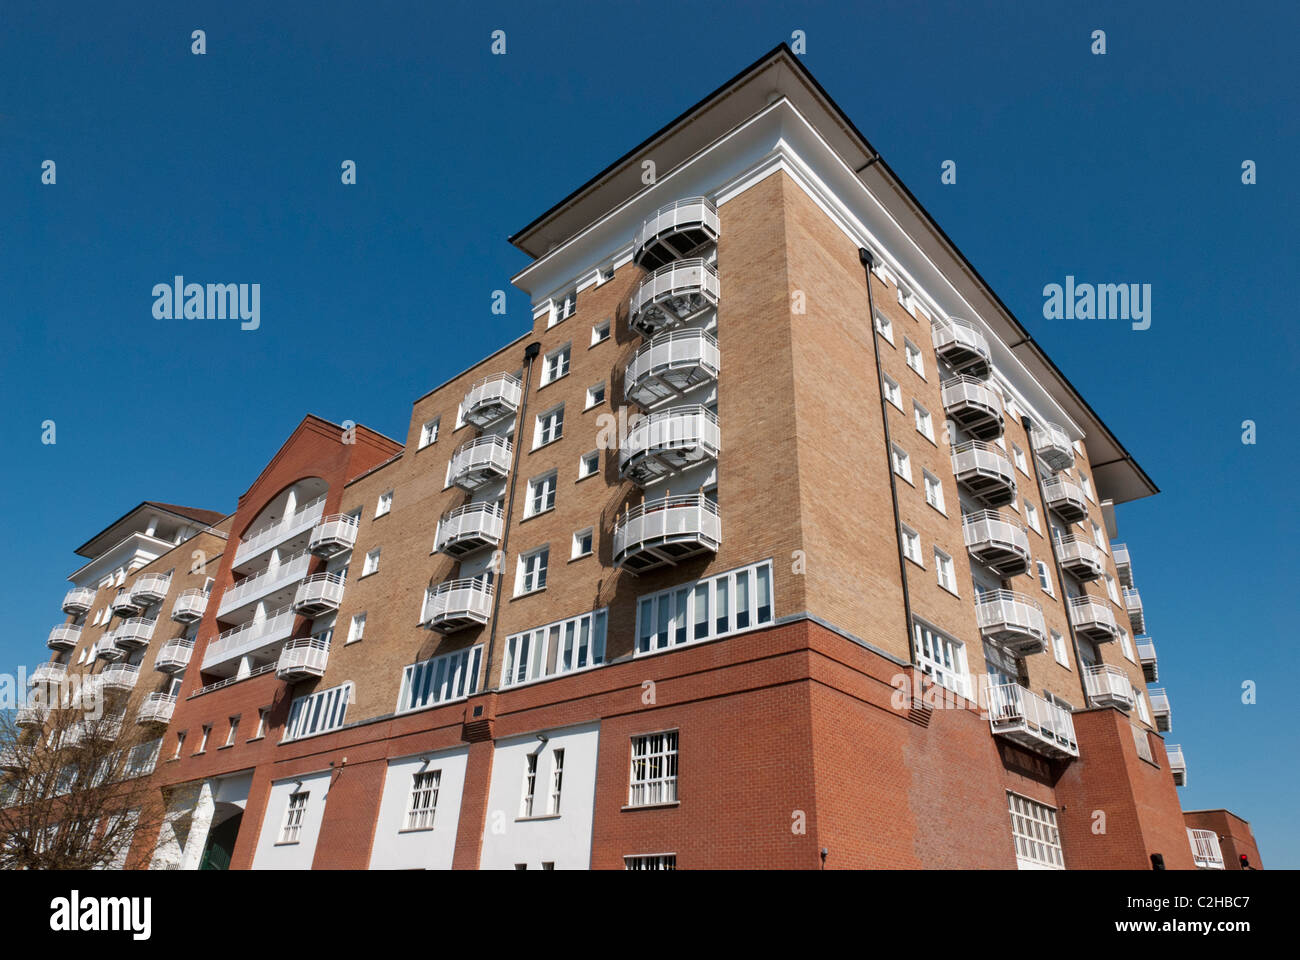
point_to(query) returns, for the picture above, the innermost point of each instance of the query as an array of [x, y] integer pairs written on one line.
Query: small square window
[[357, 628], [595, 395], [600, 332], [604, 274], [385, 503], [582, 543], [429, 432], [589, 465], [371, 564]]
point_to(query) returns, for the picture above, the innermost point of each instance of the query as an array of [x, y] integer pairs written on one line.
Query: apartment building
[[776, 541]]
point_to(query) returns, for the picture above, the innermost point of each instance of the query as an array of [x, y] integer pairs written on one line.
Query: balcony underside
[[668, 383], [1015, 639], [328, 547], [964, 358], [1081, 567], [1068, 509], [981, 422], [664, 551], [1033, 737], [451, 621], [1096, 631], [1007, 559], [674, 243], [463, 544], [992, 490], [471, 478], [654, 463]]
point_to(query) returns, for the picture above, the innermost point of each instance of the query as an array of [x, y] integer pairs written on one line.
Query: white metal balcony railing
[[119, 677], [334, 535], [174, 656], [49, 672], [1032, 721], [1206, 852], [134, 633], [106, 647], [1011, 620], [1177, 765], [124, 605], [1160, 711], [1092, 618], [64, 636], [457, 604], [491, 399], [1123, 566], [271, 580], [667, 530], [1065, 497], [1107, 686], [985, 472], [31, 715], [1080, 557], [1053, 446], [480, 461], [675, 231], [962, 346], [190, 606], [469, 528], [975, 406], [318, 593], [302, 658], [1133, 604], [157, 708], [672, 295], [150, 588], [669, 441], [669, 365], [258, 541], [13, 758], [1146, 653], [78, 600], [233, 644], [997, 541]]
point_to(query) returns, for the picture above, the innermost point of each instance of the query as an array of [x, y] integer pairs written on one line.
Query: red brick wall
[[1235, 835]]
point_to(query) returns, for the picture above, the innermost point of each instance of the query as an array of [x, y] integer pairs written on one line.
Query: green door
[[221, 843]]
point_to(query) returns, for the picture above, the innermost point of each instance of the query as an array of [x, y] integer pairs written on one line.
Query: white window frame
[[429, 432], [356, 628], [652, 775], [912, 546], [548, 422], [915, 359], [1018, 457], [1058, 650], [557, 782], [933, 491], [1044, 575], [422, 802], [371, 563], [583, 472], [901, 462], [600, 332], [734, 602], [587, 533], [557, 364], [885, 327], [893, 393], [541, 494], [384, 505], [571, 645], [528, 794], [1031, 515], [532, 571], [942, 658], [295, 811], [945, 570], [1035, 833], [563, 307], [318, 712], [924, 422], [592, 401], [440, 679]]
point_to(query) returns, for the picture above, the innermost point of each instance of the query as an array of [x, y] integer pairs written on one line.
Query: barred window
[[656, 861], [654, 769], [424, 800], [1033, 827], [291, 831]]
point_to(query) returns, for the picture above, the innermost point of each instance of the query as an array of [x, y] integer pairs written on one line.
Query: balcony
[[189, 606], [996, 541], [1012, 621], [1107, 686], [64, 637], [106, 647], [670, 365], [1065, 497], [480, 462], [150, 589], [666, 531], [1053, 446], [672, 295], [333, 535], [318, 594], [1080, 557], [974, 405], [457, 604], [134, 633], [469, 528], [78, 600], [675, 231], [49, 672], [254, 639], [1160, 708], [289, 533], [13, 759], [174, 656], [273, 580], [1146, 652], [1133, 604], [1206, 852], [985, 472], [1177, 765], [1093, 619], [31, 715], [668, 442], [303, 658], [961, 345], [491, 399], [1024, 717], [119, 677], [124, 605], [1123, 567], [157, 708]]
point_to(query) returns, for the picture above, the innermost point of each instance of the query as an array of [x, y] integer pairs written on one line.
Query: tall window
[[1044, 577], [933, 491], [385, 503], [924, 422], [1018, 456], [892, 393], [550, 426], [654, 769], [941, 658], [429, 432], [556, 365], [564, 307], [294, 811], [1033, 827], [912, 546], [901, 461], [424, 800], [541, 494], [531, 573], [944, 571], [1031, 514], [1110, 588], [914, 359], [530, 785], [441, 678], [1058, 650], [557, 781], [721, 605], [885, 327], [371, 564], [357, 628]]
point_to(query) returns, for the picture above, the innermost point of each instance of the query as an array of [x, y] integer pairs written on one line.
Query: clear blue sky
[[225, 167]]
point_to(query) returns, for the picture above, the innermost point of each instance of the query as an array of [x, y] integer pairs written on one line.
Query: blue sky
[[225, 168]]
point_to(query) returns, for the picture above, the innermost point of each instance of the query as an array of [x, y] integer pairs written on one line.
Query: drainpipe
[[530, 354], [868, 261]]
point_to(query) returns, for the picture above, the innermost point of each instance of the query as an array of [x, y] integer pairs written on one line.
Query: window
[[933, 491], [371, 564], [589, 465], [892, 393], [1018, 456], [556, 365], [261, 722], [357, 628], [1110, 588], [944, 570], [654, 769], [1099, 538], [1033, 827], [901, 461], [548, 864], [941, 658], [1044, 577], [595, 395], [318, 712], [1140, 700], [604, 274], [914, 360], [424, 800], [541, 495], [1126, 645], [582, 541], [530, 785], [233, 732], [550, 426], [557, 781], [531, 573], [1087, 487], [556, 648], [885, 327], [706, 609], [180, 745], [600, 332], [1058, 650], [912, 546], [1140, 738], [439, 679], [1031, 514], [907, 299], [657, 861], [203, 743], [429, 432], [294, 811], [385, 503], [563, 307], [924, 423]]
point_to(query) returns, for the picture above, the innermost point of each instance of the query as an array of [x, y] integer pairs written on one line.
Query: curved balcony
[[670, 365], [975, 406], [1133, 604], [1011, 620], [1160, 712], [150, 589], [134, 633], [287, 530], [303, 658], [1177, 765], [669, 441], [318, 594], [469, 528], [962, 346], [174, 656], [124, 605], [997, 541], [1052, 445], [13, 758], [491, 399], [119, 677], [1146, 654], [1092, 618], [157, 709], [480, 462], [985, 472], [31, 716], [333, 535], [1123, 566], [1024, 717], [1080, 557], [673, 294], [1107, 686], [675, 231], [271, 582], [64, 637], [1065, 497], [106, 647], [457, 604], [189, 606], [666, 531], [49, 672], [78, 600], [255, 639]]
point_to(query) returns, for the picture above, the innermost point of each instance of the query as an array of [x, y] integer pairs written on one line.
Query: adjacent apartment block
[[775, 542]]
